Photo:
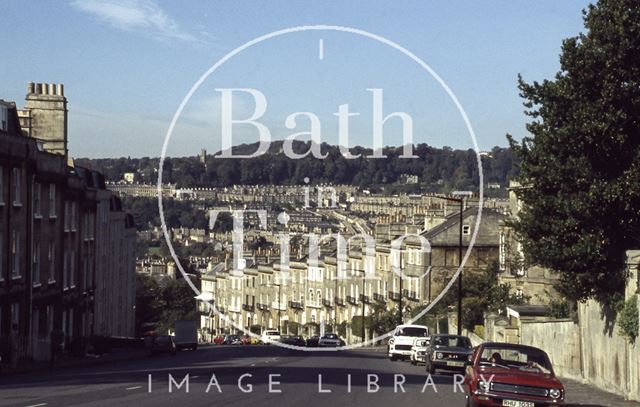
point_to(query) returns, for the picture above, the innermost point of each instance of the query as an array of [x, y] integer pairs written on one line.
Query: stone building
[[67, 258]]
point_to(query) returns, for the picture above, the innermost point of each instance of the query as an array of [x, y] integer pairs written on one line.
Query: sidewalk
[[579, 394], [73, 361]]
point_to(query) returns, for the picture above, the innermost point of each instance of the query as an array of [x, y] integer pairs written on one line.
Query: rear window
[[272, 333], [330, 336]]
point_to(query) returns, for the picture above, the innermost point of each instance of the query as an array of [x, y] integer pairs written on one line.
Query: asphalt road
[[294, 378]]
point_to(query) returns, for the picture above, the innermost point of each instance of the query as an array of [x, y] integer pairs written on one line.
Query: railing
[[248, 307], [365, 299], [339, 301], [378, 297], [327, 303], [410, 295], [352, 300], [296, 305], [263, 307], [394, 296]]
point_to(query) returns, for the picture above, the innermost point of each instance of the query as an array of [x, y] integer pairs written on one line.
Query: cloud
[[136, 15]]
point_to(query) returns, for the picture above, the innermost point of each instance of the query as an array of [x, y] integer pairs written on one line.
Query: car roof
[[509, 345], [412, 326]]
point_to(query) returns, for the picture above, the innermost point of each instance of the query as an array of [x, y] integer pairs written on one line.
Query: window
[[1, 187], [73, 216], [35, 271], [15, 254], [466, 229], [65, 270], [52, 200], [1, 258], [51, 257], [17, 187], [36, 200]]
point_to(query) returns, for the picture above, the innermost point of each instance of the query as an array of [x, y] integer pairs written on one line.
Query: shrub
[[628, 319]]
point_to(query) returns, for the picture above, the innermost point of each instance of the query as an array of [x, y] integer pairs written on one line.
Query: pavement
[[250, 376]]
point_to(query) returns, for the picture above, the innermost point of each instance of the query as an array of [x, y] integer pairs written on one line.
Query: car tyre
[[393, 358]]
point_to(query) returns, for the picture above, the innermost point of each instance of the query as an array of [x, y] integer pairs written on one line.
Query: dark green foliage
[[163, 304], [628, 319], [580, 171], [481, 292], [438, 169]]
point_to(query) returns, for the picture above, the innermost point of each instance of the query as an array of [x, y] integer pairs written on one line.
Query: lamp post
[[461, 200]]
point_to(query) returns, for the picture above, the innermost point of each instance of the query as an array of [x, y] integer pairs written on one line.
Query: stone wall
[[561, 340]]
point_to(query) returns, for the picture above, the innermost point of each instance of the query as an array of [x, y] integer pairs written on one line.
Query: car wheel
[[413, 361], [393, 358]]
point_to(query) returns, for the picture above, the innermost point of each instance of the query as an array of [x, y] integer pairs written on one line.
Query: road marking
[[321, 49], [37, 405], [133, 388], [253, 364], [194, 377]]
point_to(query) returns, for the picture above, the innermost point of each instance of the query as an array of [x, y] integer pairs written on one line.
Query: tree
[[580, 169]]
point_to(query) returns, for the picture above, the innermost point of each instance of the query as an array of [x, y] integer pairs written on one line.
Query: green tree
[[580, 169]]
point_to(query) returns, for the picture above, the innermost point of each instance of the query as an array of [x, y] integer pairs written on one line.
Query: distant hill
[[438, 169]]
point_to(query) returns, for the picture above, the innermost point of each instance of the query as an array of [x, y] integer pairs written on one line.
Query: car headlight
[[484, 386], [439, 355], [555, 393]]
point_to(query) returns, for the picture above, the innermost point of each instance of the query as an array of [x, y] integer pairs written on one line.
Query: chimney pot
[[38, 88], [31, 87]]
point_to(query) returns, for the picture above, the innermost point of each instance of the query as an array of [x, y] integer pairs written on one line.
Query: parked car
[[218, 340], [418, 350], [503, 374], [399, 346], [232, 340], [447, 352], [249, 340], [270, 336], [329, 340], [294, 340], [313, 341], [163, 344]]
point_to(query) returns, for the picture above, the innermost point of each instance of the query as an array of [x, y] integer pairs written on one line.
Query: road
[[126, 383]]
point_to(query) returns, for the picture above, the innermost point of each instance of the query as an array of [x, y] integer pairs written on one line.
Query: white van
[[400, 344]]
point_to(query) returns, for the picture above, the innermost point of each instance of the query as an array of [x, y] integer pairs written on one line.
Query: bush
[[628, 319]]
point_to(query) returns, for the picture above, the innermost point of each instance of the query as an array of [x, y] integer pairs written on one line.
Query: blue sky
[[127, 65]]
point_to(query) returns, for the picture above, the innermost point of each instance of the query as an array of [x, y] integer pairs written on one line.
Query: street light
[[461, 200]]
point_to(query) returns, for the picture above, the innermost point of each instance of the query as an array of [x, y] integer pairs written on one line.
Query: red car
[[504, 374], [218, 339]]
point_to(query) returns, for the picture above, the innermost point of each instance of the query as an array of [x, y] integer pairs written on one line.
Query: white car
[[329, 340], [400, 344], [270, 336], [419, 350]]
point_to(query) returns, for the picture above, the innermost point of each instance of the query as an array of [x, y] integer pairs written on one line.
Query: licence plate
[[515, 403], [460, 364]]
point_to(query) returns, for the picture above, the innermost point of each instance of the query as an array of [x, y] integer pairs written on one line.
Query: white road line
[[194, 377], [253, 364], [37, 405], [133, 388]]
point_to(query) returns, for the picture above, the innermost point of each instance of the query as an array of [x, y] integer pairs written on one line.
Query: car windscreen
[[411, 331], [330, 336], [525, 359], [452, 342]]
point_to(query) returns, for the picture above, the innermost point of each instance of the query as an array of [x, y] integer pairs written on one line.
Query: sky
[[127, 65]]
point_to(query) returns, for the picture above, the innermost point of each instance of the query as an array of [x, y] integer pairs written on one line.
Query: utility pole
[[363, 304]]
